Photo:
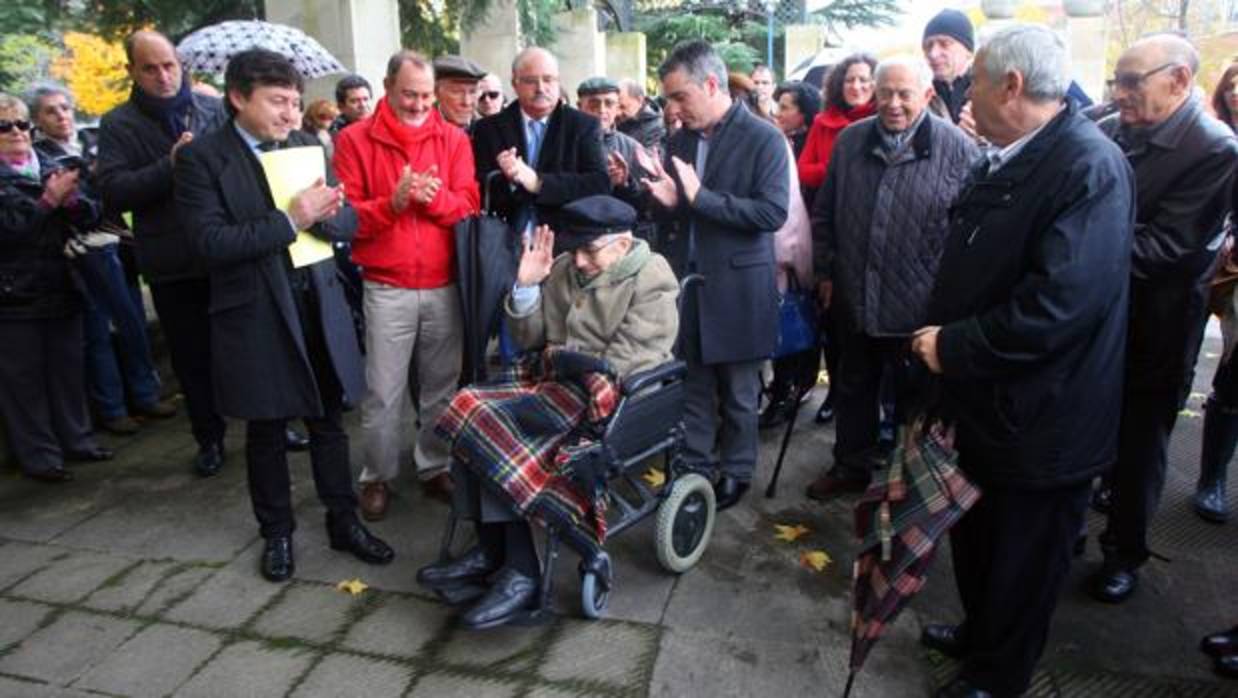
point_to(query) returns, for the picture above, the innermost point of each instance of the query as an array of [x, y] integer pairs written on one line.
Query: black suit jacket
[[260, 364], [571, 162]]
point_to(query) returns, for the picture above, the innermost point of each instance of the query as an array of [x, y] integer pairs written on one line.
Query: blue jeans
[[111, 301]]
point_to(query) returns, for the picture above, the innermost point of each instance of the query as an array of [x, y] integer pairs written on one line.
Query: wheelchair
[[646, 423]]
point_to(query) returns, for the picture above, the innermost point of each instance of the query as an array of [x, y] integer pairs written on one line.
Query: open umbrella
[[899, 521], [209, 49]]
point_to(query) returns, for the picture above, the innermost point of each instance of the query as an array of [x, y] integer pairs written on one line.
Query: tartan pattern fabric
[[899, 521], [516, 434]]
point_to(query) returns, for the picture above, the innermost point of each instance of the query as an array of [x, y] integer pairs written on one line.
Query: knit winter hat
[[953, 24]]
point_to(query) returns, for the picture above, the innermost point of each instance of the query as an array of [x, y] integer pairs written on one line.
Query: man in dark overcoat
[[282, 339], [724, 183], [1028, 327], [1184, 168]]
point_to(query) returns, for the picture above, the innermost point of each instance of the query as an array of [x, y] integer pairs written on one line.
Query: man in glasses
[[548, 153], [599, 97], [489, 96], [456, 91], [1184, 165]]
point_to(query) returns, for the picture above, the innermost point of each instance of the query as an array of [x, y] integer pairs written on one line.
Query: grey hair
[[632, 88], [916, 64], [397, 61], [698, 59], [36, 95], [1177, 48], [529, 51], [1033, 51], [10, 103]]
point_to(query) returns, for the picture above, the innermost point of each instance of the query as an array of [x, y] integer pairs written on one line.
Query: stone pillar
[[802, 41], [626, 56], [1086, 38], [580, 47], [495, 42], [362, 34]]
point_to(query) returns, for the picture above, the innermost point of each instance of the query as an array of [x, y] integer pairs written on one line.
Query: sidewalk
[[139, 579]]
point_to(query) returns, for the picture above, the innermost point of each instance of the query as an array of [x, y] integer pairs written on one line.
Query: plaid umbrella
[[209, 49], [899, 522]]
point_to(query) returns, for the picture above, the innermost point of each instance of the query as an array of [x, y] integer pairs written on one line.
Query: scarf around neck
[[172, 113], [409, 138]]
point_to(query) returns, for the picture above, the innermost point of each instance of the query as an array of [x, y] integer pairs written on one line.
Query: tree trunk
[[1183, 7]]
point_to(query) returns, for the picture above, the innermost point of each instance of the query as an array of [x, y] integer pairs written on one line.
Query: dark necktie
[[268, 146]]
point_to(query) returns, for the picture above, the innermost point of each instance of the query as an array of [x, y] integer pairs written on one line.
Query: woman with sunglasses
[[42, 381]]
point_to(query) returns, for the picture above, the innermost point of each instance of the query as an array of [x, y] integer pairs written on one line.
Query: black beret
[[596, 86], [587, 219], [457, 68]]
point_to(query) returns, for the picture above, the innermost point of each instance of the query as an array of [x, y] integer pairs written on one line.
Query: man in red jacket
[[409, 174]]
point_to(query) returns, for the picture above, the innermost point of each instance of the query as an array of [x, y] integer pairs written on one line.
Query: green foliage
[[176, 18], [25, 59], [429, 29], [849, 14], [738, 56], [25, 16]]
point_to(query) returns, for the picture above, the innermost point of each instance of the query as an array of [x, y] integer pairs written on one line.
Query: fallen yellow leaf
[[656, 478], [352, 586], [790, 533], [815, 559], [1189, 414]]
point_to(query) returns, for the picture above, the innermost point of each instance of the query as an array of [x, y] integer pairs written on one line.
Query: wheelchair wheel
[[595, 590], [685, 523]]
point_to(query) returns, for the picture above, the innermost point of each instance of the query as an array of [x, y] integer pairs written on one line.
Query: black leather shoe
[[52, 475], [353, 537], [961, 688], [209, 460], [277, 563], [728, 492], [1220, 644], [1113, 584], [295, 440], [775, 413], [512, 594], [1102, 499], [471, 567], [1227, 666], [825, 413], [947, 639], [95, 454]]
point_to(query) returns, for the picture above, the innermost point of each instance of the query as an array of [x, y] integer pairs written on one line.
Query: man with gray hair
[[724, 182], [878, 227], [1027, 331], [638, 117], [1184, 166]]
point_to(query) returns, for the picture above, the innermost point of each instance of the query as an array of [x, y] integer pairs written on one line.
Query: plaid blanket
[[516, 434]]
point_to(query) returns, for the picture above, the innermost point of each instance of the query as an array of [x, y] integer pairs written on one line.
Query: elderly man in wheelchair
[[599, 324]]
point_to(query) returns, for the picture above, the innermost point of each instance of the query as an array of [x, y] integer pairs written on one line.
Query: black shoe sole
[[364, 558]]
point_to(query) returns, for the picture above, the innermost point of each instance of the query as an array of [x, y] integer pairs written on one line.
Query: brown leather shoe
[[373, 500], [829, 486], [439, 487]]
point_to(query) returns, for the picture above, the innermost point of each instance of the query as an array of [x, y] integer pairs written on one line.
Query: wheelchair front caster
[[595, 585], [685, 523]]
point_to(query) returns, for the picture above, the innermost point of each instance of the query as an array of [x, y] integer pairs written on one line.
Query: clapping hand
[[60, 187], [185, 139], [924, 345], [660, 184], [687, 175], [967, 122], [314, 204], [517, 171], [617, 169], [537, 257]]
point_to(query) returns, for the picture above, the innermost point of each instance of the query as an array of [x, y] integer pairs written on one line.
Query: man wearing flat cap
[[607, 296], [599, 97], [455, 89]]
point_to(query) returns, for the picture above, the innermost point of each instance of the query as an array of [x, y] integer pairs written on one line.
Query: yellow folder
[[288, 171]]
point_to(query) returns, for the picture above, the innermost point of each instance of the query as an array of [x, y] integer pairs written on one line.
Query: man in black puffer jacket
[[878, 226]]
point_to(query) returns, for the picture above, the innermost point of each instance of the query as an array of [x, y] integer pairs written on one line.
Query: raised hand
[[185, 139], [427, 185], [517, 171], [60, 187], [403, 189], [659, 183], [687, 175], [617, 169], [315, 203], [537, 258]]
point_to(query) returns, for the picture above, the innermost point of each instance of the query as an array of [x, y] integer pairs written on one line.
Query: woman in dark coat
[[42, 381]]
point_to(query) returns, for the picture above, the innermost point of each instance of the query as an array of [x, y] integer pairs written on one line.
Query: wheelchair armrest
[[671, 370]]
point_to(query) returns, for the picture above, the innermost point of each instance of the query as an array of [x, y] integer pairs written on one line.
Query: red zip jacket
[[815, 160], [415, 249]]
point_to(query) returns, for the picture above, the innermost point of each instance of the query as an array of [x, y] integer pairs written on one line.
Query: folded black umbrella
[[487, 256]]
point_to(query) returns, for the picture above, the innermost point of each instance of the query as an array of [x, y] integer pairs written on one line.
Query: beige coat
[[626, 315]]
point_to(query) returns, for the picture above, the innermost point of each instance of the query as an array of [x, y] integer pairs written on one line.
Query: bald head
[[535, 77], [153, 64], [1153, 78]]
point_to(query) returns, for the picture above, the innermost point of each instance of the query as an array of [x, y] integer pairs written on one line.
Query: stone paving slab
[[618, 654], [73, 578], [226, 600], [398, 627], [176, 587], [14, 688], [152, 663], [507, 649], [442, 685], [19, 560], [67, 648], [127, 592], [248, 670], [73, 504], [18, 619], [311, 612], [347, 675]]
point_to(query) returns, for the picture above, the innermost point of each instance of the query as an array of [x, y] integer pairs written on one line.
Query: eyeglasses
[[20, 124], [1132, 81], [491, 95]]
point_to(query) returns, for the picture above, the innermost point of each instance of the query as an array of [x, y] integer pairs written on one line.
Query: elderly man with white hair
[[878, 226], [1027, 330]]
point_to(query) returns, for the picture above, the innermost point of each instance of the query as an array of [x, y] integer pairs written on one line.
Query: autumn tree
[[94, 71]]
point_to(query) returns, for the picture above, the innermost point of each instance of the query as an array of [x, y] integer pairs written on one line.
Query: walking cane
[[772, 488]]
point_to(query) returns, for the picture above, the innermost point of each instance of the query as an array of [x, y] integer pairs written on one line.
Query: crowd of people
[[977, 235]]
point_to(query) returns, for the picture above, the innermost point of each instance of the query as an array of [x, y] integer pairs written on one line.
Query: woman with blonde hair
[[317, 122]]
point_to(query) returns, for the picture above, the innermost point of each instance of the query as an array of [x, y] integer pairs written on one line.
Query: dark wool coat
[[260, 365], [878, 228], [1032, 297], [135, 174]]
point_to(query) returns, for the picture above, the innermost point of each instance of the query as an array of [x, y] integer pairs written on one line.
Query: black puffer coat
[[37, 281]]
